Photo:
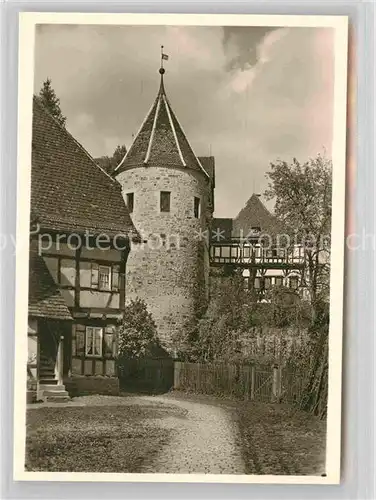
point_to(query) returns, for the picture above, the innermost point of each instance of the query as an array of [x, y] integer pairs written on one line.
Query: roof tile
[[69, 191], [45, 299], [161, 141]]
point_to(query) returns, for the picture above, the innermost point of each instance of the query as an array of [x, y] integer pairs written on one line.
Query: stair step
[[56, 399], [51, 387], [47, 394], [47, 381]]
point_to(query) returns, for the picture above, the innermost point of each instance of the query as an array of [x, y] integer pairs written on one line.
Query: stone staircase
[[48, 388]]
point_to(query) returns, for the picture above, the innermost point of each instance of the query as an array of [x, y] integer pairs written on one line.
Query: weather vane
[[164, 57]]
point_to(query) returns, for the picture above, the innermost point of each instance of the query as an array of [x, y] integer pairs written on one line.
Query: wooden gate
[[146, 375]]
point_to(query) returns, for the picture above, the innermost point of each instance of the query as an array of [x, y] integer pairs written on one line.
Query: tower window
[[197, 207], [165, 201], [130, 202]]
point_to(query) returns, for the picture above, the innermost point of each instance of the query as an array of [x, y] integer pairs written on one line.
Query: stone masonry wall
[[170, 272]]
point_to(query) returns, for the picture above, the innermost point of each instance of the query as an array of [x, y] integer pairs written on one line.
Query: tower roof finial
[[160, 139], [164, 57]]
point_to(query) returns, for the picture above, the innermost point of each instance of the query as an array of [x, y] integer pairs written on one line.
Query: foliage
[[273, 439], [302, 194], [108, 163], [118, 155], [137, 332], [225, 330], [51, 101]]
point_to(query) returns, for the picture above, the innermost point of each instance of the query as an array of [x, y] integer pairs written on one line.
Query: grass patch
[[93, 438], [275, 438], [278, 439]]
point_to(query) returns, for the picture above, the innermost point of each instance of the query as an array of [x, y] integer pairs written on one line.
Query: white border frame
[[26, 64]]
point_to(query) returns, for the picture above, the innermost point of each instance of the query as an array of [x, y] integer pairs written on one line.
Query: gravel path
[[204, 440]]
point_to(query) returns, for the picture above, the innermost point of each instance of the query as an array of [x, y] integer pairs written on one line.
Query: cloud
[[245, 95], [240, 44], [244, 76]]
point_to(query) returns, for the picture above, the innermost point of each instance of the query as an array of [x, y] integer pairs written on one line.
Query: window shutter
[[115, 278], [94, 275], [110, 342], [73, 340], [80, 340]]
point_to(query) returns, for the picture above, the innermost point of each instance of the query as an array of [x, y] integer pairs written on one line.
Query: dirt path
[[204, 440]]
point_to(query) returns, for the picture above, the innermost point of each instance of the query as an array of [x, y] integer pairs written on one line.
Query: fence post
[[253, 381], [246, 382], [276, 383], [177, 368], [280, 380]]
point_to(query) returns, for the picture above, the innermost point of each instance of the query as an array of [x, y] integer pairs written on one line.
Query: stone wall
[[170, 269]]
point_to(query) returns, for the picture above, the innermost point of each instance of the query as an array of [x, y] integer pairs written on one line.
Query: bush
[[137, 332]]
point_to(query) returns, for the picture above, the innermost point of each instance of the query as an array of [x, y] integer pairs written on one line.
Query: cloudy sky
[[244, 95]]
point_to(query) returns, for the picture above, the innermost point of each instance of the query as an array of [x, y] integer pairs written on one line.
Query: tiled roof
[[255, 215], [69, 192], [161, 141], [208, 163], [45, 299]]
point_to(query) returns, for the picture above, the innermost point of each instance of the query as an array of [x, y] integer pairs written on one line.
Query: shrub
[[138, 331]]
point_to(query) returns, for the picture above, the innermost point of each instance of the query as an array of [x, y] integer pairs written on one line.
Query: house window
[[130, 202], [246, 283], [93, 345], [104, 280], [267, 283], [294, 282], [165, 201], [197, 207], [278, 281], [257, 283]]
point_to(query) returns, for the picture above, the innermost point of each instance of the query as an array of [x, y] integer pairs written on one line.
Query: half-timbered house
[[256, 244], [80, 238]]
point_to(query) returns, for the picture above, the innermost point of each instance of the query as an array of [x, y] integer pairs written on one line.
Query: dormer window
[[165, 201], [130, 202], [197, 207]]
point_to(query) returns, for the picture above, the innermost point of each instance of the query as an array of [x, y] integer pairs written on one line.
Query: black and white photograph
[[179, 277]]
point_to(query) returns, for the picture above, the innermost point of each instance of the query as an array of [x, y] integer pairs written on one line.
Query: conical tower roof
[[160, 142]]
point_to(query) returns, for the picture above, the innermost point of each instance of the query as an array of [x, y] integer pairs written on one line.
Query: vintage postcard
[[181, 194]]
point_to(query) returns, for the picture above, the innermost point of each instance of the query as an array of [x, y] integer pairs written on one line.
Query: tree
[[108, 163], [51, 101], [137, 332], [118, 155], [302, 194]]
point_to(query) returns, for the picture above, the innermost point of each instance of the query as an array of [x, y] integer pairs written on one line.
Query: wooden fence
[[255, 382], [146, 375]]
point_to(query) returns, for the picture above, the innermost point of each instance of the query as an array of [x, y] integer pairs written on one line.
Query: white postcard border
[[27, 23]]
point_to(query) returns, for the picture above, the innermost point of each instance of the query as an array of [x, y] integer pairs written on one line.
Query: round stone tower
[[169, 195]]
